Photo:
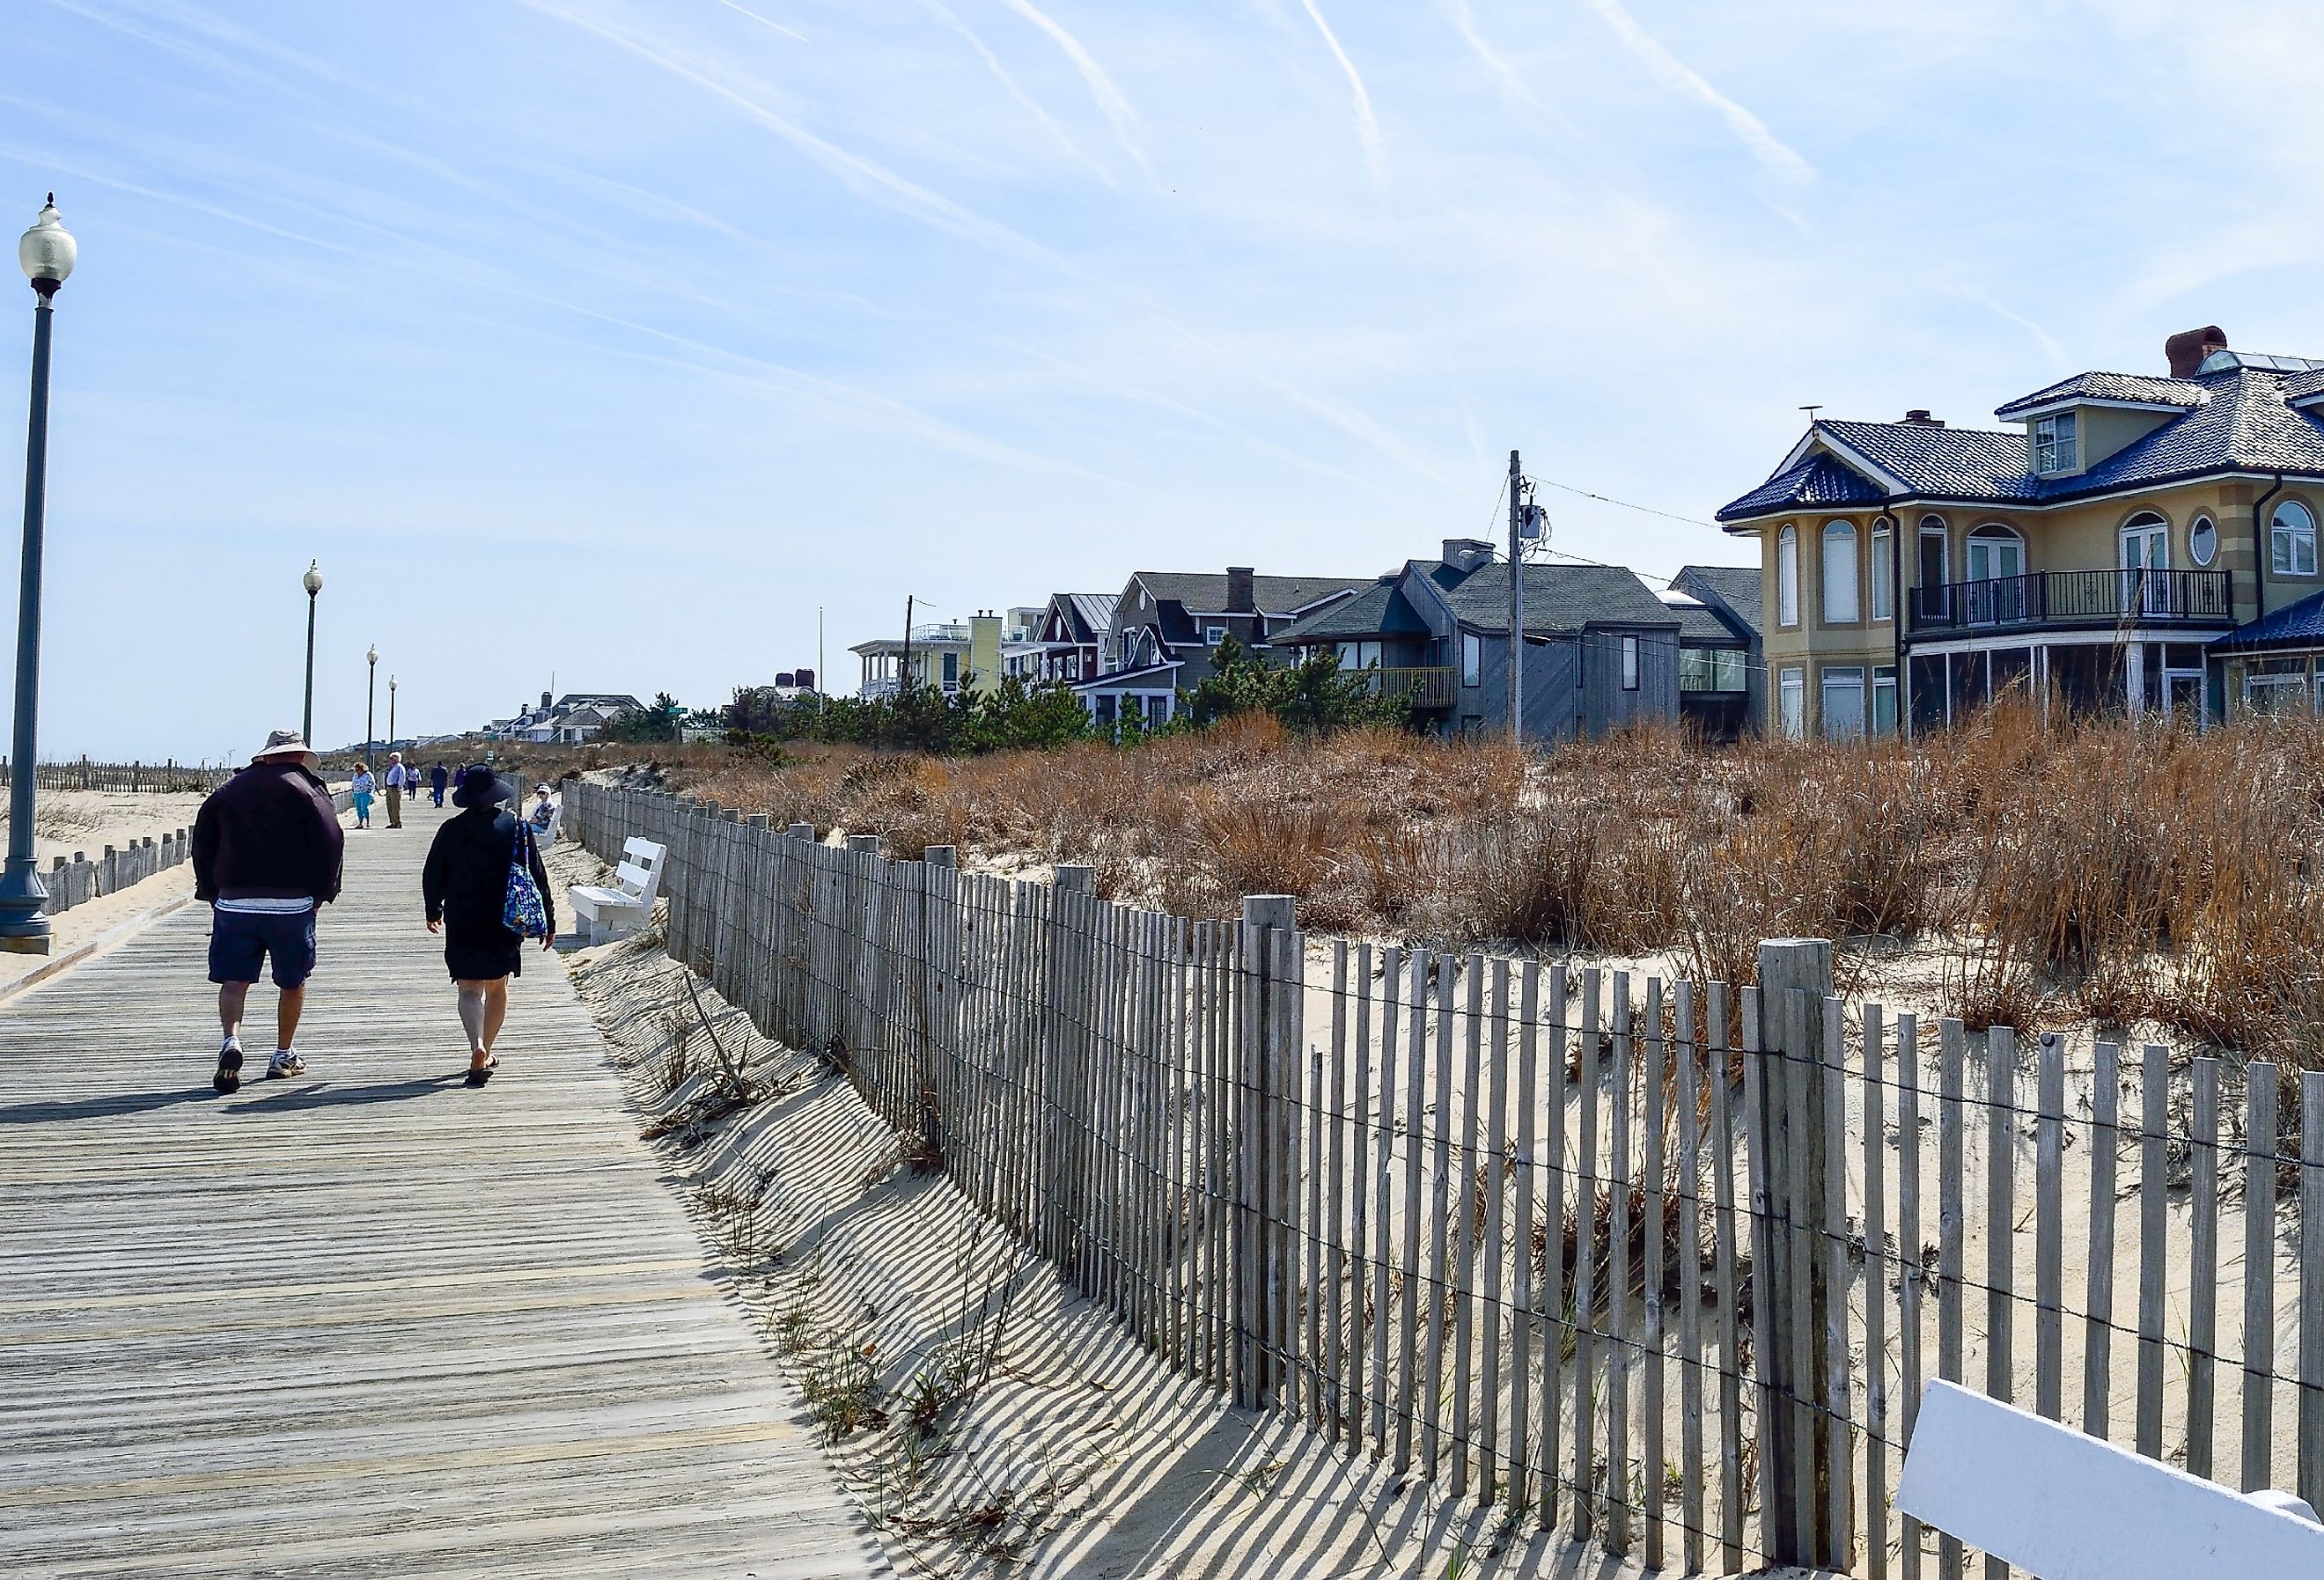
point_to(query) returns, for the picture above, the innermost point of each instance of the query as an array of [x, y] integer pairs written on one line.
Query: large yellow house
[[2130, 541]]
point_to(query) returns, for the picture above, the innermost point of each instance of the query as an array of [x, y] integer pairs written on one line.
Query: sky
[[615, 342]]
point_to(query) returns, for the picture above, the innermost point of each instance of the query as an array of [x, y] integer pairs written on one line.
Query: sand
[[1077, 1453], [65, 821]]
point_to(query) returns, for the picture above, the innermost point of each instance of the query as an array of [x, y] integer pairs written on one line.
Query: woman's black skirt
[[481, 953]]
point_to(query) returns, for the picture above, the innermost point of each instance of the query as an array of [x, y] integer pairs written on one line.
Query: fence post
[[1062, 1056], [1800, 1477], [1267, 1082], [802, 831], [936, 1041]]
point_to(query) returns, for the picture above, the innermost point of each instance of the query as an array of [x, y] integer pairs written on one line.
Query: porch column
[[2134, 677]]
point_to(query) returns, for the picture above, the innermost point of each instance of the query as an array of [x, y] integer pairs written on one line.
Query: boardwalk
[[368, 1322]]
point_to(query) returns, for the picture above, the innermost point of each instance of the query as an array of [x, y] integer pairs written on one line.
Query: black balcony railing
[[2078, 597]]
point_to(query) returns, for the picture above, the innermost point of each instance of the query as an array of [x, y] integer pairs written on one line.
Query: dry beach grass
[[2030, 874]]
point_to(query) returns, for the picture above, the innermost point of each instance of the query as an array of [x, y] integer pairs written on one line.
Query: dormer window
[[2054, 450]]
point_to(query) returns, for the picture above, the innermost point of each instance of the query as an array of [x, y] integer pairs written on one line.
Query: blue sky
[[614, 338]]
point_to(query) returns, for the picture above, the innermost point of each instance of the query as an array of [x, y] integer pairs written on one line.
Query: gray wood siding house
[[1602, 650]]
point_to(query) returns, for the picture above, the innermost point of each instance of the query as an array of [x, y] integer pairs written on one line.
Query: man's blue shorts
[[243, 940]]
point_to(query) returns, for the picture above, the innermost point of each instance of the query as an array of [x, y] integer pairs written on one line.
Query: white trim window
[[1473, 657], [1884, 570], [1215, 635], [2202, 541], [1840, 602], [1787, 577], [1629, 663], [1843, 703], [2291, 541], [1792, 703], [2056, 445], [1884, 699]]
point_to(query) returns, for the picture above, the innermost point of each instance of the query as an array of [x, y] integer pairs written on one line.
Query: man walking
[[436, 778], [399, 780], [267, 848]]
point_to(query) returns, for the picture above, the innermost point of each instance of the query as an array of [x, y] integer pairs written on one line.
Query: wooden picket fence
[[1553, 1237], [81, 879], [154, 778]]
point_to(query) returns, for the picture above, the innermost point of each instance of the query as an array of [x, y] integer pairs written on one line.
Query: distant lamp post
[[391, 713], [47, 252], [313, 582], [371, 701]]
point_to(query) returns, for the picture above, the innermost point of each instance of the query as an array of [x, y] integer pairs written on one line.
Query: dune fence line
[[154, 778], [81, 879], [1661, 1263]]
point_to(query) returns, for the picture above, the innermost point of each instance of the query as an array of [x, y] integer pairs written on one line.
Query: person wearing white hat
[[267, 850]]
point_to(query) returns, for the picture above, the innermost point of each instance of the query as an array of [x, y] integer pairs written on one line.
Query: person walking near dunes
[[436, 778], [465, 887], [267, 849], [360, 790], [399, 780]]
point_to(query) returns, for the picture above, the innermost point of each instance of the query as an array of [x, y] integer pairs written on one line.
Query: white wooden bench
[[618, 911], [2064, 1506], [546, 838]]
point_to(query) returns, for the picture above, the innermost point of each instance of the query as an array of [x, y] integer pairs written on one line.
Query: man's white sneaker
[[229, 1068], [285, 1062]]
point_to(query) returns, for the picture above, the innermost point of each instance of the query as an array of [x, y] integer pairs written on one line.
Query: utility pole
[[904, 680], [1517, 602], [820, 679]]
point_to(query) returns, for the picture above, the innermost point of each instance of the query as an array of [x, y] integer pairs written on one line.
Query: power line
[[1626, 505]]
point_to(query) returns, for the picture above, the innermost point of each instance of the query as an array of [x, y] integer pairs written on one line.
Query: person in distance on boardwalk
[[399, 780], [465, 887], [436, 778], [267, 850], [362, 787]]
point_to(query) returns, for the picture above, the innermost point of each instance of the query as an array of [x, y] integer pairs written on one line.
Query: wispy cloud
[[1109, 100], [1009, 85], [865, 175], [769, 22], [1464, 22], [1773, 153], [1366, 124]]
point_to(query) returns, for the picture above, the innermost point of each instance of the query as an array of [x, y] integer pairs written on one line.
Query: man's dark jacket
[[269, 832]]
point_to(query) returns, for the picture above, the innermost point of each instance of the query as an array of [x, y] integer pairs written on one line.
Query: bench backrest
[[639, 874], [2064, 1506]]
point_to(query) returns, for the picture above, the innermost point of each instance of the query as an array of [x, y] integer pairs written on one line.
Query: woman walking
[[363, 788], [466, 885]]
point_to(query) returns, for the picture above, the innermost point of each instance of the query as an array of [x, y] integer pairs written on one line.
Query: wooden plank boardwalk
[[367, 1322]]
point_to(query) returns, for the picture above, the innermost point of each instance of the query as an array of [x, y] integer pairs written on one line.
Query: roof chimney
[[1465, 554], [2189, 348], [1240, 594], [544, 702], [1919, 417]]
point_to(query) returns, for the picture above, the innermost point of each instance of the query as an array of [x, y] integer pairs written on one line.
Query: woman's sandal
[[479, 1075]]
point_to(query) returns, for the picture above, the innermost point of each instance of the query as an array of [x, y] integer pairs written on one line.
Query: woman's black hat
[[480, 788]]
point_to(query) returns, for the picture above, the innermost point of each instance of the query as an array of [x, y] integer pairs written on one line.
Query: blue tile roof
[[2295, 626], [2144, 388], [2244, 423], [1820, 480]]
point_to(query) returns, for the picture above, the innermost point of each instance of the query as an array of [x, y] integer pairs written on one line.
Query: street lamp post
[[391, 713], [370, 700], [313, 582], [47, 252]]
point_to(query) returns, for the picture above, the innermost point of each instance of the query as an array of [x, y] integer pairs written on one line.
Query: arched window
[[1840, 574], [2291, 541], [2145, 542], [1787, 577], [1994, 552], [1884, 569]]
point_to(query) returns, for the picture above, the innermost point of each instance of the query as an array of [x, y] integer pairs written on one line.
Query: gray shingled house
[[1168, 624], [1602, 648]]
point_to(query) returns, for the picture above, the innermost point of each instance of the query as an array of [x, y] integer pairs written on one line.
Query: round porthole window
[[2203, 541]]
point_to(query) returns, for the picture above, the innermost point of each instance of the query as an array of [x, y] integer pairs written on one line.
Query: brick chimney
[[544, 702], [2187, 349], [1239, 597]]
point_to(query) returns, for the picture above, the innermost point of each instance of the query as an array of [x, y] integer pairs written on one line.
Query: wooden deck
[[367, 1322]]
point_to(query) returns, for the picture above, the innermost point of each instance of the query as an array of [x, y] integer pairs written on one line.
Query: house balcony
[[2061, 600], [1426, 687]]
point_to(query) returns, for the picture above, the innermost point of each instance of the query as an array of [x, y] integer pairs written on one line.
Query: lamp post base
[[23, 925], [30, 944]]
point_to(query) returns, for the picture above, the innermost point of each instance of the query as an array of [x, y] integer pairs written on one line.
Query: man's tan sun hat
[[283, 743]]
